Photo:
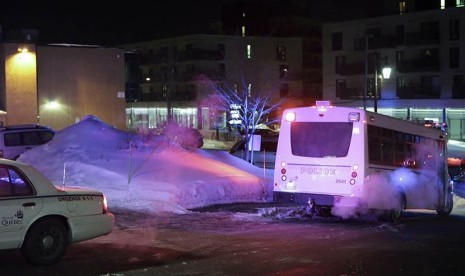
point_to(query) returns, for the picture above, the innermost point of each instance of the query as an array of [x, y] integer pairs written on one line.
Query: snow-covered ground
[[150, 172], [147, 173]]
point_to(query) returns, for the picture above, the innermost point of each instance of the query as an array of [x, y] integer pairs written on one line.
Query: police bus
[[350, 159]]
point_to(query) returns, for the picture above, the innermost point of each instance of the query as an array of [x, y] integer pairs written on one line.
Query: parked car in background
[[264, 131], [41, 220], [16, 139], [265, 157], [457, 175]]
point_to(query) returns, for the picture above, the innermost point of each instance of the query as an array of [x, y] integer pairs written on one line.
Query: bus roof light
[[323, 103], [354, 116], [290, 116]]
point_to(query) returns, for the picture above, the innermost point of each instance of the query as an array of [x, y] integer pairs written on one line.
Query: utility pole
[[365, 90]]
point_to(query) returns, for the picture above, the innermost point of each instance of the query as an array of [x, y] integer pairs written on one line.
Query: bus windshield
[[321, 139]]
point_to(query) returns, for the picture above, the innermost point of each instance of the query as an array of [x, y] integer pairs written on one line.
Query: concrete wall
[[19, 84], [79, 81]]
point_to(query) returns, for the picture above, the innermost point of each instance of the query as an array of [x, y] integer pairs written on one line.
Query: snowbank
[[147, 174]]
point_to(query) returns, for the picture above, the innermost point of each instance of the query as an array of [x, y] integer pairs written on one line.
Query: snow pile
[[151, 174]]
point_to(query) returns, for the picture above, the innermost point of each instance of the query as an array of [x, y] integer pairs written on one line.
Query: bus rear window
[[326, 139]]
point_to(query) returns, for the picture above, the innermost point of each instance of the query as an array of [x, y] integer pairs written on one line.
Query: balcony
[[146, 59], [378, 42], [354, 68], [418, 38], [183, 76], [350, 93], [312, 77], [418, 65], [164, 58], [200, 55], [176, 96], [416, 92], [193, 75]]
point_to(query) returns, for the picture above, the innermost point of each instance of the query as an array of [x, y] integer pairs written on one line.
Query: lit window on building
[[402, 7], [249, 51], [281, 53], [249, 90], [460, 3], [243, 30], [443, 4], [154, 117], [283, 69]]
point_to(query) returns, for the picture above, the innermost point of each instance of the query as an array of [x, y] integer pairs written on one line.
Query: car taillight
[[105, 205]]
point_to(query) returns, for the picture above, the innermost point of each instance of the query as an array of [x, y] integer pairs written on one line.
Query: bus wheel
[[396, 213], [323, 211], [445, 210]]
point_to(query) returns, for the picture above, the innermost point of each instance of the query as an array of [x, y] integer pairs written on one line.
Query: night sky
[[114, 22], [106, 22]]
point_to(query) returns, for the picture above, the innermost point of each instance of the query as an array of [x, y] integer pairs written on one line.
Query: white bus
[[352, 160]]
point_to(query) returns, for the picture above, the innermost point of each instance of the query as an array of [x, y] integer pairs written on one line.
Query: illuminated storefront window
[[156, 117]]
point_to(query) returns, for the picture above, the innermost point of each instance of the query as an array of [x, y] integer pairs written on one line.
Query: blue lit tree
[[250, 109]]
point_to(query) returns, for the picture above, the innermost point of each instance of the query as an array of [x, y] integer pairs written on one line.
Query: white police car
[[42, 220]]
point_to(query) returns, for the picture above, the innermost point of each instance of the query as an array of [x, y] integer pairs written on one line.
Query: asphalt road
[[254, 239]]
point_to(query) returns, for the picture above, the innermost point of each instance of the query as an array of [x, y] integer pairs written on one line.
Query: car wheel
[[46, 242], [323, 211]]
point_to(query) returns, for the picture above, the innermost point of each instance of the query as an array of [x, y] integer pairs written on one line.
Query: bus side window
[[409, 158], [374, 151], [388, 151], [374, 142], [400, 150]]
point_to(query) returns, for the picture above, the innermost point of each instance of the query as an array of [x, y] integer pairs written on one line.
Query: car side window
[[6, 188], [12, 139], [13, 183], [46, 136], [31, 138]]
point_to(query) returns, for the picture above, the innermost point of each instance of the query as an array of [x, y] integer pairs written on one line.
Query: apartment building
[[424, 51], [176, 76]]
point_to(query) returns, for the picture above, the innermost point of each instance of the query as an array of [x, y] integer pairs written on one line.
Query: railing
[[418, 65]]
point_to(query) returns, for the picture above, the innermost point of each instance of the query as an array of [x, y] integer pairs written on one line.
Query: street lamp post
[[365, 91], [386, 74]]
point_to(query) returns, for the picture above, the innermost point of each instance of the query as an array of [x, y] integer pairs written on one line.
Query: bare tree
[[251, 109]]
